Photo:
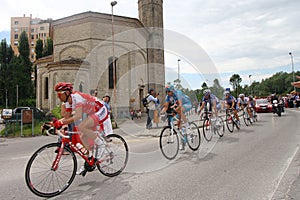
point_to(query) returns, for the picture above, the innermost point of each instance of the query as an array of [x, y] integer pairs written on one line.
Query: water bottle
[[81, 148]]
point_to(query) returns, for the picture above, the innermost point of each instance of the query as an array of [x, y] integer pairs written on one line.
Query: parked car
[[16, 113], [263, 105]]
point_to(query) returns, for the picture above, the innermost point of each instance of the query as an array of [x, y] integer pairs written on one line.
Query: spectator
[[152, 104], [107, 124]]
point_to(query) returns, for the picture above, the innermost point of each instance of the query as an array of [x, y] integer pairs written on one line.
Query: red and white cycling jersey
[[90, 105]]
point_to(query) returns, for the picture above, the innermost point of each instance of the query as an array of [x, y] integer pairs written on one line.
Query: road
[[257, 162]]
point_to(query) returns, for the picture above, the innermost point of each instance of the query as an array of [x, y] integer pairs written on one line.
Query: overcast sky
[[245, 37]]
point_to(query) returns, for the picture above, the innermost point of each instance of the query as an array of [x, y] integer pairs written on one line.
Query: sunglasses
[[60, 93]]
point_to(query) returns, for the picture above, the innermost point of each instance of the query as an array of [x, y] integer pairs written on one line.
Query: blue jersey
[[229, 101], [211, 99]]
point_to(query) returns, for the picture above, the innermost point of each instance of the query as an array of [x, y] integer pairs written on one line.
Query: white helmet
[[226, 92]]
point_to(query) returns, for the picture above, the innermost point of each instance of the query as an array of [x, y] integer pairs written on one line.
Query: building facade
[[84, 47], [34, 27]]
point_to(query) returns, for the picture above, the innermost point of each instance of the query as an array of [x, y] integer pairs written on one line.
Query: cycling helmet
[[169, 88], [206, 92], [241, 95], [250, 97], [63, 86], [226, 92]]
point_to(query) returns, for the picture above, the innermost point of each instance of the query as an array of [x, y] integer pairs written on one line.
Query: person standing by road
[[107, 123], [152, 104]]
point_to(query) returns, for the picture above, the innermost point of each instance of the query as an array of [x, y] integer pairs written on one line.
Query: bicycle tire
[[221, 129], [207, 129], [168, 143], [229, 122], [193, 136], [117, 156], [246, 118], [39, 176]]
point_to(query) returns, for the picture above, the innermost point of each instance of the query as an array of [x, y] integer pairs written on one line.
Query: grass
[[14, 130]]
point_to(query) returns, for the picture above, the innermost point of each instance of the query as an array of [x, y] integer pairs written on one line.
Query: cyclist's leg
[[186, 108], [249, 111]]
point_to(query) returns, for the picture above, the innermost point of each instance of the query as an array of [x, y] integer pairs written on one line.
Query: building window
[[46, 88], [16, 43], [32, 44], [32, 30], [32, 37], [80, 87], [16, 29], [32, 56], [32, 50], [42, 28], [16, 36], [16, 22], [111, 72]]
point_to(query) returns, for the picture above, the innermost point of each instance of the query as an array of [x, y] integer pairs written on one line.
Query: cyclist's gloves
[[58, 124]]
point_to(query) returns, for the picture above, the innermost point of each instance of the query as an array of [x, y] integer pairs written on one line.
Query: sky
[[249, 37]]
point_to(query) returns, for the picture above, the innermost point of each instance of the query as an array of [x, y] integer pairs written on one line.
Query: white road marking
[[282, 173]]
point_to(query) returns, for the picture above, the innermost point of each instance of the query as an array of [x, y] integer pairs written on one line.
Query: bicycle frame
[[67, 139]]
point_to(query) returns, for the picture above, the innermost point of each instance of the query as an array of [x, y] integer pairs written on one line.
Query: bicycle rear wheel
[[169, 143], [220, 126], [246, 118], [44, 181], [207, 129], [193, 136], [229, 122], [115, 156]]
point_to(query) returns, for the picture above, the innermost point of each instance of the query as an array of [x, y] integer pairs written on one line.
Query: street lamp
[[250, 83], [113, 3], [178, 69], [292, 68]]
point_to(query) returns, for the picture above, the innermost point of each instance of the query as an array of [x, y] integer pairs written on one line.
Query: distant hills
[[5, 35]]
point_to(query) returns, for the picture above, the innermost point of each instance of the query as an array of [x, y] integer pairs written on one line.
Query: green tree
[[39, 49], [48, 48], [24, 79], [235, 81]]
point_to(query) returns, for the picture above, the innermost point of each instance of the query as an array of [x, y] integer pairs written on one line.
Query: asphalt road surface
[[248, 164]]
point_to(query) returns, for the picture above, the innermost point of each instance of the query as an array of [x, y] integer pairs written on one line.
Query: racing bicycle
[[52, 168], [169, 137], [231, 120]]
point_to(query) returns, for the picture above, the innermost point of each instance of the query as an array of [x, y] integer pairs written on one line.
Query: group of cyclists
[[176, 101], [180, 103]]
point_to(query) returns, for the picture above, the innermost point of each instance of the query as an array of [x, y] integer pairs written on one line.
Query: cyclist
[[243, 103], [178, 101], [82, 103], [213, 101], [230, 102]]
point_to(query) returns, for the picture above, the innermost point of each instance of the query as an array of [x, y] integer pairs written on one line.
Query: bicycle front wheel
[[42, 179], [207, 130], [193, 136], [115, 156], [229, 122], [169, 143], [220, 126]]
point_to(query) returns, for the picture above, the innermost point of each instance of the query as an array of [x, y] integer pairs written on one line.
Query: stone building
[[85, 45]]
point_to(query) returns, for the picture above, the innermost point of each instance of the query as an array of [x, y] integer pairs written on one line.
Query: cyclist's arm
[[77, 115], [165, 108], [233, 103], [201, 106]]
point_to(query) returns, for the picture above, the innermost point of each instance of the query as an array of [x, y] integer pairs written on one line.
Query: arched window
[[46, 88], [112, 72], [80, 87]]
